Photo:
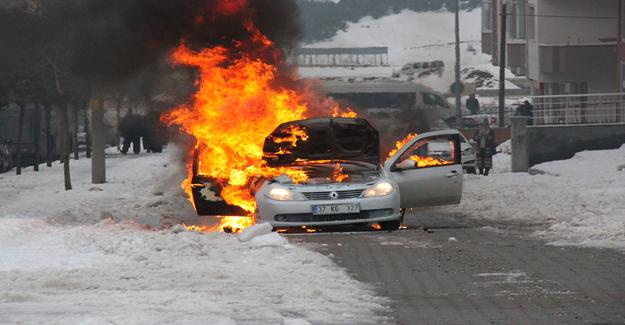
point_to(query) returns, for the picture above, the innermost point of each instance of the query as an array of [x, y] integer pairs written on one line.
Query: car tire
[[470, 170], [390, 225]]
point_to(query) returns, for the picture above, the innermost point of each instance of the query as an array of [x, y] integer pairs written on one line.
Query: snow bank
[[579, 201], [144, 188], [122, 273], [88, 257]]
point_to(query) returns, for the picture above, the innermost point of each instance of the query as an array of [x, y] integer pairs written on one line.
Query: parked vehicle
[[420, 69], [427, 171]]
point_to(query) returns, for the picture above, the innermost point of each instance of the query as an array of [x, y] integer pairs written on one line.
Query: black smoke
[[110, 41]]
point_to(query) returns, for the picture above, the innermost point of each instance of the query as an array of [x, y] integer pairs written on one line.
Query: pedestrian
[[131, 129], [155, 133], [485, 140], [473, 105], [526, 109]]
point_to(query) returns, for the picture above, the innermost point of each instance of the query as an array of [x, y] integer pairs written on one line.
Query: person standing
[[473, 105], [526, 110], [485, 140], [131, 129]]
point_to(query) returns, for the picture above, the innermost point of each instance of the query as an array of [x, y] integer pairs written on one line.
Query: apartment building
[[561, 46]]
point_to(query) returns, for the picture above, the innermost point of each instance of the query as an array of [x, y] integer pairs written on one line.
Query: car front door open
[[428, 170]]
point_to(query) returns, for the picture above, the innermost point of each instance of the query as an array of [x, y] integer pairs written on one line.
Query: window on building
[[486, 17], [517, 19], [531, 23]]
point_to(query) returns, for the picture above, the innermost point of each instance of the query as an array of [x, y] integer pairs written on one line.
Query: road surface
[[455, 272]]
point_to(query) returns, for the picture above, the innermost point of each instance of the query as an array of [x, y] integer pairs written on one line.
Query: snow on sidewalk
[[86, 257], [579, 201]]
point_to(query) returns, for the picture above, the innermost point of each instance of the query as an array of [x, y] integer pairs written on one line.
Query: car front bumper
[[299, 213]]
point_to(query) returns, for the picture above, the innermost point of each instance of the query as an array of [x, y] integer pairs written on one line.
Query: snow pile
[[88, 257], [416, 37], [143, 187], [579, 201]]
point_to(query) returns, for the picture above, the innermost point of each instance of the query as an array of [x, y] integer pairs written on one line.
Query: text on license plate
[[336, 209]]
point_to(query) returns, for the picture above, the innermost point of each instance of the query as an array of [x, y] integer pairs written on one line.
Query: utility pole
[[458, 89], [502, 66]]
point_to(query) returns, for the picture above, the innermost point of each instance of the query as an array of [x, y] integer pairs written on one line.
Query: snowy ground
[[579, 201], [414, 37], [87, 256]]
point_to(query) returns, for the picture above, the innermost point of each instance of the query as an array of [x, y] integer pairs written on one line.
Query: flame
[[428, 161], [399, 144], [226, 224], [376, 226], [243, 93], [348, 112], [337, 173], [419, 160]]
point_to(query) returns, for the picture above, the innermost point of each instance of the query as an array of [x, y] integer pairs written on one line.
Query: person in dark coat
[[131, 129], [155, 136], [526, 110], [485, 143], [473, 105]]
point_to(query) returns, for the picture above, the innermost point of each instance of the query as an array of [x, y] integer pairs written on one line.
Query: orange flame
[[419, 160], [399, 144], [226, 224], [336, 112], [240, 99], [337, 173], [428, 161]]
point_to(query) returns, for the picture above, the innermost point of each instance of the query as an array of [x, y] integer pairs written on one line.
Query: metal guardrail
[[579, 109], [560, 110]]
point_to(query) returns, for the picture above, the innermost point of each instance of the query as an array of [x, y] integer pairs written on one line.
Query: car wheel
[[390, 225], [470, 170]]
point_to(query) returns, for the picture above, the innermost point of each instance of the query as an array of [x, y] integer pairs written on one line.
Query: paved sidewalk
[[481, 277]]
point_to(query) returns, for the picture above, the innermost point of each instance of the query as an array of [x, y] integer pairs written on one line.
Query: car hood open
[[322, 139]]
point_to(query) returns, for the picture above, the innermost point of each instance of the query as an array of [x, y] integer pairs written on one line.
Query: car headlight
[[281, 194], [380, 189]]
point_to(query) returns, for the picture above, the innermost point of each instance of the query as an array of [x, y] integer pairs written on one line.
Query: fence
[[576, 109], [579, 109]]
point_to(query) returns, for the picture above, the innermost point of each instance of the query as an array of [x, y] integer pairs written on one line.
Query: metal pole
[[502, 66], [457, 91]]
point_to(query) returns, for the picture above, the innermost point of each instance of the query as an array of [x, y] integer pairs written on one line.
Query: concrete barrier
[[549, 143], [520, 144]]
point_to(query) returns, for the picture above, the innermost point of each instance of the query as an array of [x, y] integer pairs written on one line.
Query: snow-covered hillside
[[88, 256], [415, 37]]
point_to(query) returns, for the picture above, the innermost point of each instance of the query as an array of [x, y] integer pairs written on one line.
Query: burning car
[[336, 178]]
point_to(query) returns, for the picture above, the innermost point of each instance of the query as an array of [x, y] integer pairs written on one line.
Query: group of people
[[133, 128]]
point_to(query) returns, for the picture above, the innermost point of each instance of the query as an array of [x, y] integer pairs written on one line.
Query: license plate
[[335, 209]]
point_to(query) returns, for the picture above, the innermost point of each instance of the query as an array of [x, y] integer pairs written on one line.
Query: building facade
[[562, 46]]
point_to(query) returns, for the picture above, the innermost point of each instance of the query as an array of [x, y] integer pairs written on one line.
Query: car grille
[[309, 217], [348, 194]]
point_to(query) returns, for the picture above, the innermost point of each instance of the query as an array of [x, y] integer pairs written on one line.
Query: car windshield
[[335, 171]]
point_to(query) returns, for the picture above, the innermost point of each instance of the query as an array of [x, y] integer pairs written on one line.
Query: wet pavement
[[446, 270]]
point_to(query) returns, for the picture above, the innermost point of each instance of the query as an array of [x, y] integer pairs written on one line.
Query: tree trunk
[[117, 137], [37, 127], [75, 131], [49, 142], [98, 164], [20, 131], [65, 140], [87, 133]]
